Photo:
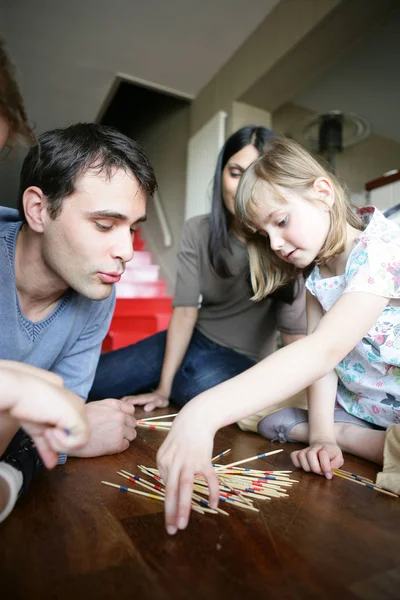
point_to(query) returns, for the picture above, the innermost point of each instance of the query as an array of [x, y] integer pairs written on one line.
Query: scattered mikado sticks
[[148, 423], [158, 418], [239, 486], [123, 488], [220, 455], [151, 426], [368, 483]]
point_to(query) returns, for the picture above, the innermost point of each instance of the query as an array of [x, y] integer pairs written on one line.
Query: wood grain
[[73, 538]]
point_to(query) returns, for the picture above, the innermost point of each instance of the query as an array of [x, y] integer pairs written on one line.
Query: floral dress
[[369, 376]]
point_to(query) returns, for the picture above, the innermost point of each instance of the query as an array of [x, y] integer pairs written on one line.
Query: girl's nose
[[276, 242]]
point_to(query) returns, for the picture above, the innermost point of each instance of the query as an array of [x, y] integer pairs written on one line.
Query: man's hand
[[320, 457], [112, 427], [149, 401]]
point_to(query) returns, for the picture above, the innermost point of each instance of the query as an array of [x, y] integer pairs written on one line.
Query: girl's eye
[[236, 173], [283, 222], [103, 227], [133, 231]]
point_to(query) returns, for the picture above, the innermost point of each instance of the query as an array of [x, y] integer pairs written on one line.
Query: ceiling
[[69, 52], [365, 80]]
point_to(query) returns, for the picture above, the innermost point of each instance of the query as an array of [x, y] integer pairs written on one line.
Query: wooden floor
[[74, 538]]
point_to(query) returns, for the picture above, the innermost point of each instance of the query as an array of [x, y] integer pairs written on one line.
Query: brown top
[[227, 316]]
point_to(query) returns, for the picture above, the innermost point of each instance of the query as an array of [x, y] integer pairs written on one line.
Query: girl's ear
[[323, 190]]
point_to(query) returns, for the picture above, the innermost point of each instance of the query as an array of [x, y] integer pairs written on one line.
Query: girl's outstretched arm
[[187, 449]]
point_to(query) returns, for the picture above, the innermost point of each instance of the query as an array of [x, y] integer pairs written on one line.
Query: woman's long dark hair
[[221, 217]]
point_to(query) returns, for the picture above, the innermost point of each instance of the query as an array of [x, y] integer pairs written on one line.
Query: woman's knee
[[130, 369], [194, 378]]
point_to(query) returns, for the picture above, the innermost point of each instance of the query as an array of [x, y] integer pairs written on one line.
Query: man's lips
[[110, 277]]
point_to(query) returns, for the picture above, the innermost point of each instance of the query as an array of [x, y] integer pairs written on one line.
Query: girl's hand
[[319, 457], [186, 452]]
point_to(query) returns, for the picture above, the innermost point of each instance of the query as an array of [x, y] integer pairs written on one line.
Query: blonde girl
[[297, 219]]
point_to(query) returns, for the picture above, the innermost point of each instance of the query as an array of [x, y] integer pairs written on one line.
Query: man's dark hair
[[63, 155]]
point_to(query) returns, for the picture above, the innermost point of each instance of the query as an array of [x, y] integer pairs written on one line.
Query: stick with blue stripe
[[367, 485], [123, 488], [240, 462], [214, 458]]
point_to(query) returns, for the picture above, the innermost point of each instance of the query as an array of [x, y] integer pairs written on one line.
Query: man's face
[[88, 244]]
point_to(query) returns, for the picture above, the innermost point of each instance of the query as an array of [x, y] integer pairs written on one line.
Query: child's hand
[[186, 452], [319, 457], [53, 416]]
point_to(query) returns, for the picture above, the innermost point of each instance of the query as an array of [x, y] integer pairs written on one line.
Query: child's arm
[[323, 453], [187, 449], [50, 414]]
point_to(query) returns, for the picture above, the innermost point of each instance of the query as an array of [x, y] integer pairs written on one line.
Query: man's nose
[[123, 248]]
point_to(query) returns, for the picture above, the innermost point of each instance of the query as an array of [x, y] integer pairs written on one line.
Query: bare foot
[[367, 443]]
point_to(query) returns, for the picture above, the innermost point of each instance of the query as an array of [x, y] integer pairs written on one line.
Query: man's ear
[[323, 189], [35, 208]]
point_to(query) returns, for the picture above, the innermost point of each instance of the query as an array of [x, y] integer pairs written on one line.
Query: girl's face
[[233, 170], [297, 229]]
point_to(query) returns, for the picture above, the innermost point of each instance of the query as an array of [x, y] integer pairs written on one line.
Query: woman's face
[[4, 132], [233, 170]]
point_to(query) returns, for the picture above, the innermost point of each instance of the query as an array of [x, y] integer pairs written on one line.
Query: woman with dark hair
[[216, 331]]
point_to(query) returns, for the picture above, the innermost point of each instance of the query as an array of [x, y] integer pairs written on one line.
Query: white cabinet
[[203, 151], [386, 196]]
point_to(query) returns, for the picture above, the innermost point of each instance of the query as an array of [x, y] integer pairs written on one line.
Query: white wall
[[165, 143], [355, 165]]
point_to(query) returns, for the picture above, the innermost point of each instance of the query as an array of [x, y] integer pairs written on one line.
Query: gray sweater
[[68, 341]]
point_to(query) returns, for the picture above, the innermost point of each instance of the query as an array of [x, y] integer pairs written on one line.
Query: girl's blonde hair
[[287, 164]]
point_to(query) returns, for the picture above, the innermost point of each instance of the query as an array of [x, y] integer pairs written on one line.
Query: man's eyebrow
[[106, 214], [110, 214]]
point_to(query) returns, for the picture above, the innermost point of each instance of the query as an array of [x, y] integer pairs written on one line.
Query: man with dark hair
[[83, 191]]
